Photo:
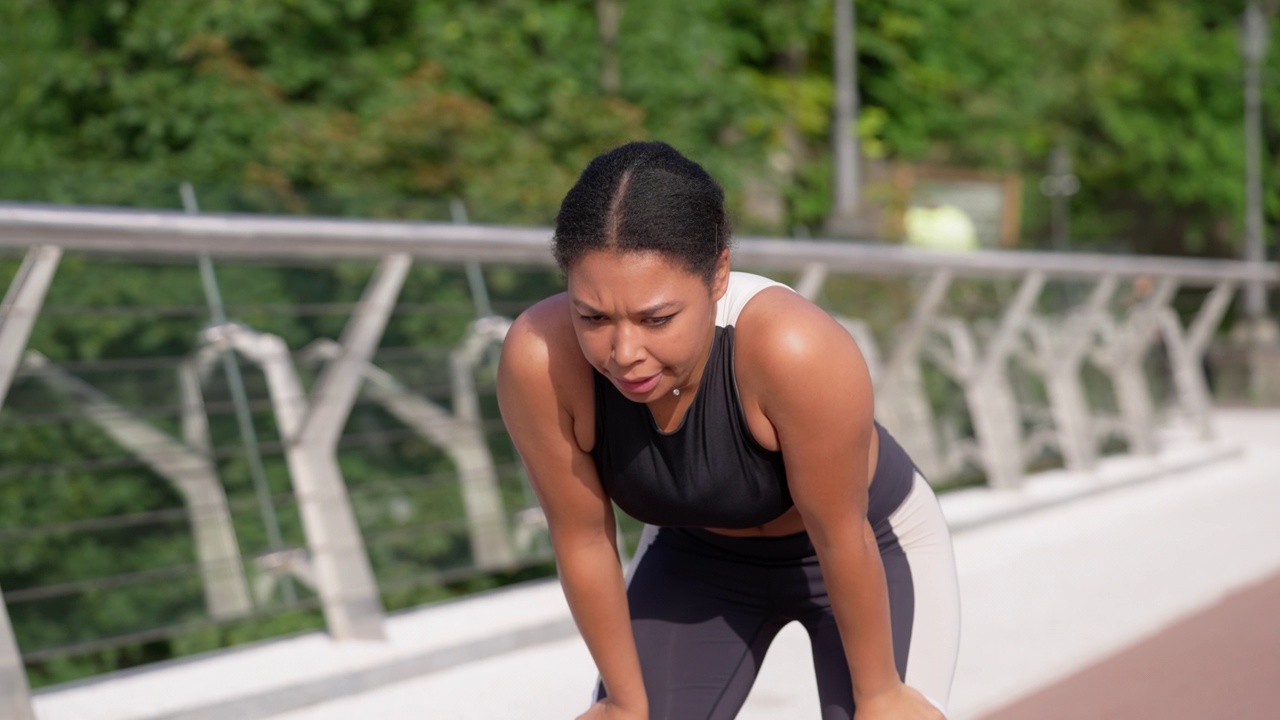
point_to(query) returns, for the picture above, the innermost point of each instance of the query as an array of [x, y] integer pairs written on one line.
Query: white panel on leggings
[[925, 538]]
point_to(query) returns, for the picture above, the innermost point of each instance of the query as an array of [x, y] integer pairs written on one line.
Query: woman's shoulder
[[542, 324], [742, 290], [541, 348], [782, 332], [756, 305]]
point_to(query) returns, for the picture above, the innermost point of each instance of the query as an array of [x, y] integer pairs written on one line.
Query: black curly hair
[[644, 196]]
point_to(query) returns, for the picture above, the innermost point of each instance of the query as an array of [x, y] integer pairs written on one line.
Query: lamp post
[[1059, 185], [1253, 48], [844, 135], [1263, 334]]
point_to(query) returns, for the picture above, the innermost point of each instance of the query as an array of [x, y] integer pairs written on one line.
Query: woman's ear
[[720, 280]]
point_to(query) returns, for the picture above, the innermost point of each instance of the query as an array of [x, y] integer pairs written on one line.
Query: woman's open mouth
[[638, 387]]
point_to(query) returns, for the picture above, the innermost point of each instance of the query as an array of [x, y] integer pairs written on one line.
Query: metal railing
[[1025, 330]]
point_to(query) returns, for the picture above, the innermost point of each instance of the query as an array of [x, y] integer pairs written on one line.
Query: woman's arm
[[812, 383], [537, 391]]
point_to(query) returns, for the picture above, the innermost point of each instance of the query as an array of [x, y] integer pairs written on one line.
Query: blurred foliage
[[386, 108], [398, 108]]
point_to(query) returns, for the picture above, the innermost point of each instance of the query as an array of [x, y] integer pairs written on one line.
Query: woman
[[734, 418]]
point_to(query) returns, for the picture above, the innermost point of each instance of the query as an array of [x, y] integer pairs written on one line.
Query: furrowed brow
[[657, 308], [584, 308]]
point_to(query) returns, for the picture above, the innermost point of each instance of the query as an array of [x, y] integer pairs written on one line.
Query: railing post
[[1060, 350], [868, 346], [1186, 354], [1122, 357], [311, 426], [811, 280], [188, 469], [985, 379], [491, 543], [460, 434], [906, 412], [18, 314], [15, 695], [21, 306], [903, 409], [353, 605]]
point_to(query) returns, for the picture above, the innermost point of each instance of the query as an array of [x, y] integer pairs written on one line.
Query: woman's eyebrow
[[584, 308], [654, 309], [657, 308]]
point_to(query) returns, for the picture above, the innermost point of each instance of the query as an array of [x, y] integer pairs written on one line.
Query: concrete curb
[[1039, 493], [293, 697]]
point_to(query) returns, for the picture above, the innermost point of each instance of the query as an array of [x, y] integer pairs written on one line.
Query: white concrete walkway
[[1055, 576]]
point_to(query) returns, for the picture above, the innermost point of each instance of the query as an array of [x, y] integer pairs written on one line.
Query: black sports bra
[[710, 472]]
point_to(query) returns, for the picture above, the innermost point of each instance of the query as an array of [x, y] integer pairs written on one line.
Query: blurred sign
[[957, 208], [945, 227]]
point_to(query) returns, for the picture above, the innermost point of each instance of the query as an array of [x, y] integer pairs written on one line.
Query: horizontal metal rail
[[162, 516], [149, 232]]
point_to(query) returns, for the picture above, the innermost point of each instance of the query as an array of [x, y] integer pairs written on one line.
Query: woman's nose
[[627, 347]]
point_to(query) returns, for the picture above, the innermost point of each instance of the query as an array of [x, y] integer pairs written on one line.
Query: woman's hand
[[901, 703], [605, 710]]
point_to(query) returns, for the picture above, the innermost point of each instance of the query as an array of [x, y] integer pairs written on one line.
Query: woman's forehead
[[634, 278], [637, 264]]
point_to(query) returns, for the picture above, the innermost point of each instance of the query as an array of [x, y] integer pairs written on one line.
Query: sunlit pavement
[[1053, 577]]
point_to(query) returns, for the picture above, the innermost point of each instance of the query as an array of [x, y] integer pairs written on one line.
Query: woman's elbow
[[845, 534]]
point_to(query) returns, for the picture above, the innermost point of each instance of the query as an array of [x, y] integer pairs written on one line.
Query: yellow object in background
[[943, 227]]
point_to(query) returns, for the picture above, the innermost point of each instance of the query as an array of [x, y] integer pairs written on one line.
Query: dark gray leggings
[[705, 607]]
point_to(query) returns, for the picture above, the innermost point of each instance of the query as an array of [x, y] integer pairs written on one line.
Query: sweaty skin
[[646, 323]]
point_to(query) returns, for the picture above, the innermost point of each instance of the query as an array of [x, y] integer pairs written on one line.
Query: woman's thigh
[[700, 634], [924, 607]]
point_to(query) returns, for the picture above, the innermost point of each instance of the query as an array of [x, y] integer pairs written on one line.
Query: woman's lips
[[638, 387]]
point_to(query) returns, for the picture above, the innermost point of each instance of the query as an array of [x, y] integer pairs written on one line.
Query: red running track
[[1220, 664]]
